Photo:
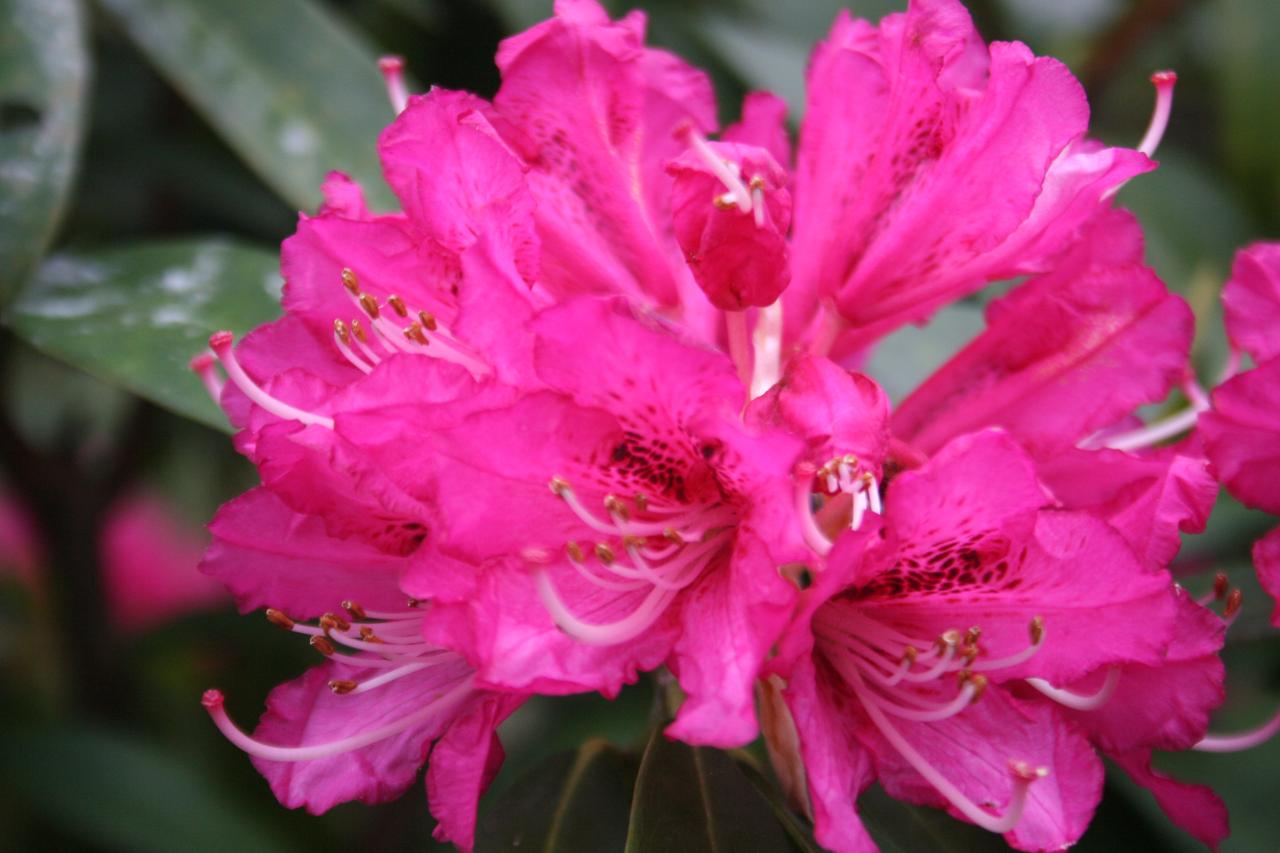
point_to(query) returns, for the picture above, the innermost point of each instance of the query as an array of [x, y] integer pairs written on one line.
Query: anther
[[909, 654], [723, 203], [366, 634], [949, 638], [979, 684], [322, 645], [604, 553], [358, 331], [672, 534], [354, 610], [1234, 599], [370, 306], [340, 329], [756, 182], [428, 321], [342, 686], [1221, 586], [277, 618], [574, 551], [558, 486], [642, 502], [969, 653], [397, 305], [971, 636], [412, 603], [350, 282], [1036, 629], [337, 621], [1026, 772], [617, 507], [414, 333]]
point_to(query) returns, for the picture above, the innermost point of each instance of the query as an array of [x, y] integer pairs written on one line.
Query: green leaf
[[115, 792], [570, 802], [43, 75], [694, 799], [291, 88], [1248, 77], [135, 316]]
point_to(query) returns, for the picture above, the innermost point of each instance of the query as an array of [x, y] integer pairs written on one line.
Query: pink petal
[[149, 563], [463, 763], [1062, 356], [833, 410], [1242, 436], [1165, 706], [343, 197], [1194, 808], [973, 749], [837, 766], [738, 262], [764, 124], [1251, 301], [593, 113], [1150, 498], [305, 712], [928, 167], [269, 556], [1266, 559], [457, 178]]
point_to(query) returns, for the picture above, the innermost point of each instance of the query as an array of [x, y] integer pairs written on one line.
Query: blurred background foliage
[[153, 154]]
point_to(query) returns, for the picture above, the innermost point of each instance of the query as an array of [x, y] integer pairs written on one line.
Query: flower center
[[650, 549], [842, 481]]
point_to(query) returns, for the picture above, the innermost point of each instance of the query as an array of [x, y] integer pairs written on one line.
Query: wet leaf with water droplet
[[43, 75], [134, 316]]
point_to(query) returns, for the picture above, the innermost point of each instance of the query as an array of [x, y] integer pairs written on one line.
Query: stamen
[[1164, 82], [1022, 773], [342, 337], [275, 617], [639, 620], [202, 366], [735, 324], [1075, 700], [350, 282], [1151, 433], [727, 174], [1242, 741], [1231, 609], [213, 701], [1036, 630], [813, 535], [220, 343], [397, 305], [767, 338], [392, 68]]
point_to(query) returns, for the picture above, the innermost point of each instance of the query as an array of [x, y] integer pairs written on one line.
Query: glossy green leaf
[[700, 801], [135, 316], [1248, 75], [43, 75], [899, 827], [291, 88], [115, 792], [570, 802]]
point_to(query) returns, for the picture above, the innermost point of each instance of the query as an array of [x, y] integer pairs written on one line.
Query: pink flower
[[360, 726], [930, 164], [927, 648], [1242, 430], [147, 556]]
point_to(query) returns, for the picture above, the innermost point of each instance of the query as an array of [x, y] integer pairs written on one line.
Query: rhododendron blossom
[[583, 410]]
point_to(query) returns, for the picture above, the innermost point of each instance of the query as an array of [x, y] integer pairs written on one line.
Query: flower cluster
[[585, 409]]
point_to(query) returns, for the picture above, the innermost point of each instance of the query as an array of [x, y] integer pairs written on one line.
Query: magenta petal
[[456, 177], [1266, 560], [1242, 436], [739, 258], [973, 749], [833, 410], [343, 197], [593, 112], [1194, 808], [270, 556], [1251, 301], [1061, 357], [305, 712], [837, 766], [764, 124], [463, 763], [1150, 498]]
